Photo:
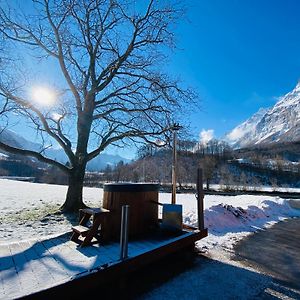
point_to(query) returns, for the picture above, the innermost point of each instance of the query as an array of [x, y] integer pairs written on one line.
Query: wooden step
[[94, 211], [81, 229]]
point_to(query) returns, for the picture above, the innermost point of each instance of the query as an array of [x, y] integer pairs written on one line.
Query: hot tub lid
[[131, 187]]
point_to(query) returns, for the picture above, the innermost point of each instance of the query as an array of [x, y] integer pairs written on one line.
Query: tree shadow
[[24, 252]]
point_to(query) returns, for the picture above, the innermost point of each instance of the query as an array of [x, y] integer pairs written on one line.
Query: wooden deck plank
[[144, 247], [2, 290], [42, 278], [112, 250], [50, 262], [105, 252], [137, 247], [69, 267], [62, 268], [6, 260], [8, 273], [11, 284], [95, 252], [45, 277], [24, 272], [72, 260], [88, 253], [118, 269], [134, 249]]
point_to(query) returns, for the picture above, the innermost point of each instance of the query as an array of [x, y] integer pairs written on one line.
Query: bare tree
[[109, 54], [208, 163]]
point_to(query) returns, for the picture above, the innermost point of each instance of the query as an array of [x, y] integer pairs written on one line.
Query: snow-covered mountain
[[13, 139], [99, 163], [280, 123]]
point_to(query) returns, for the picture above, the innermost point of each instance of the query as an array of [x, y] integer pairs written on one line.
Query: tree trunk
[[74, 200], [76, 176]]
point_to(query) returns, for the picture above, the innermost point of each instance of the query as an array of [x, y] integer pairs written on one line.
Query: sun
[[43, 96]]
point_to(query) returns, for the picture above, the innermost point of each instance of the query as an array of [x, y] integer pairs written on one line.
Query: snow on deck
[[30, 266]]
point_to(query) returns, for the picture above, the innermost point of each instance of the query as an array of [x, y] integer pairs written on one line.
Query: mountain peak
[[277, 124], [239, 135]]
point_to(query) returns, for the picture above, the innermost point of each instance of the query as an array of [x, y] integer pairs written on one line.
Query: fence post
[[200, 197]]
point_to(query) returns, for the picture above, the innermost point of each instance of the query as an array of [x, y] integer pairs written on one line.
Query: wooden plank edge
[[105, 274], [184, 226]]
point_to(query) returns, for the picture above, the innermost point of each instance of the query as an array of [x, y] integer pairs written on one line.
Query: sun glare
[[43, 96], [56, 116]]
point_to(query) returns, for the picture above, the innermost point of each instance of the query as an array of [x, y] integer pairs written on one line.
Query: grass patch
[[31, 214]]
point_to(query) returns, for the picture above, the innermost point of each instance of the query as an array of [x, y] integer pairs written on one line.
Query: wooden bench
[[84, 234]]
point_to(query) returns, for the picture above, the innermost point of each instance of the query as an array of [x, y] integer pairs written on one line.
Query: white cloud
[[206, 135]]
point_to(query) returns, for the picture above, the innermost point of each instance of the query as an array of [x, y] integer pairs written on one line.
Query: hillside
[[276, 165]]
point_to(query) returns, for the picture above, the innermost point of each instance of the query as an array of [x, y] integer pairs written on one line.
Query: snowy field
[[27, 210]]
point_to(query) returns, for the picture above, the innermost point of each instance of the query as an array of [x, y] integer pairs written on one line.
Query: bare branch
[[35, 154], [20, 33], [64, 143], [60, 57], [110, 138]]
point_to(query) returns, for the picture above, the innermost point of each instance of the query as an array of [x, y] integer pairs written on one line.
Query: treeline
[[154, 164], [277, 166], [220, 163], [22, 166]]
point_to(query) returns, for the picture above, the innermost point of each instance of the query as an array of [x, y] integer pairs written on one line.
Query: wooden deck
[[57, 266]]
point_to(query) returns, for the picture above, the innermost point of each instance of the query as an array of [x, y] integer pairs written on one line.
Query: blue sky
[[240, 55]]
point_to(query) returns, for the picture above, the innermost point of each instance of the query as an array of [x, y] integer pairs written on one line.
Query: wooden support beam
[[200, 198]]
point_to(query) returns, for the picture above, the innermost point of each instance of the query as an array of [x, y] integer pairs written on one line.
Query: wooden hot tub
[[143, 213]]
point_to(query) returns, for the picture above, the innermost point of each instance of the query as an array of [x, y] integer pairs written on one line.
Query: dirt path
[[275, 252]]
